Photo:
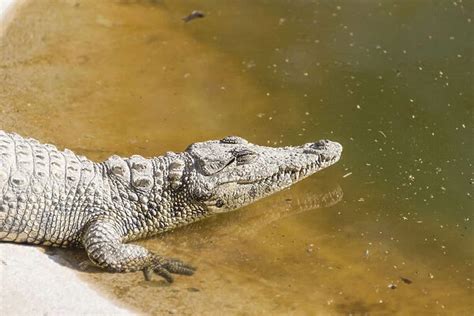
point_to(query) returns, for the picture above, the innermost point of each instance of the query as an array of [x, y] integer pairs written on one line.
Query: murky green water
[[390, 80]]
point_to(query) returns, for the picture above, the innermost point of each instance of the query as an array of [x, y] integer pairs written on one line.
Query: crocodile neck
[[149, 208]]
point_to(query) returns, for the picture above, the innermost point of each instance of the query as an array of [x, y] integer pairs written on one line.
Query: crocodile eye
[[233, 140], [245, 156]]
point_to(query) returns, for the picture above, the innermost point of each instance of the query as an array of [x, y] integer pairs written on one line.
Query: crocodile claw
[[166, 267]]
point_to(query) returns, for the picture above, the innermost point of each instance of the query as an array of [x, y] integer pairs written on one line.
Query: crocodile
[[54, 197]]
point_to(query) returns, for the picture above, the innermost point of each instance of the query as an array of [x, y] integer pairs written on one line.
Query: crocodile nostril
[[321, 144], [233, 140]]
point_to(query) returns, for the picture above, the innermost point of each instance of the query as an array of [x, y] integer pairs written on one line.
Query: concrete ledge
[[7, 12], [33, 284]]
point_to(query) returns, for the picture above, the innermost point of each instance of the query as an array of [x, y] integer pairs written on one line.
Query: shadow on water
[[389, 80]]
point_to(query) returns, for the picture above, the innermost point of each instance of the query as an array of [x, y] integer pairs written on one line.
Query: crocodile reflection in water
[[249, 222]]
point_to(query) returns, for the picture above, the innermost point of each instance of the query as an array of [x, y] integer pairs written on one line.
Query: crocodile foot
[[165, 267]]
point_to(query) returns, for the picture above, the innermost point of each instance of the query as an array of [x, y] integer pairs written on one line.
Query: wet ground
[[386, 231]]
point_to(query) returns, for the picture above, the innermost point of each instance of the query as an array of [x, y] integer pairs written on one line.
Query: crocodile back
[[43, 191]]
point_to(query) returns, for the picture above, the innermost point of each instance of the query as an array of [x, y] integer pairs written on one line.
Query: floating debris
[[383, 134], [366, 254], [392, 286], [347, 174], [406, 281], [194, 15]]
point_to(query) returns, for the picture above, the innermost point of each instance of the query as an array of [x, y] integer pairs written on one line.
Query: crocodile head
[[230, 173]]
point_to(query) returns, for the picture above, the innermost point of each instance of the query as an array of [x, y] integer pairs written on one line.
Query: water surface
[[392, 81]]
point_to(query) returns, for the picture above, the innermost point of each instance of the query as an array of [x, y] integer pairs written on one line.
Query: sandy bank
[[32, 283]]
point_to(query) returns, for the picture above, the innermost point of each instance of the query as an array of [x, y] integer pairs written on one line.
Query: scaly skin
[[52, 197]]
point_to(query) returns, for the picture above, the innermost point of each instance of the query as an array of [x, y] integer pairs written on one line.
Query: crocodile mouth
[[291, 174]]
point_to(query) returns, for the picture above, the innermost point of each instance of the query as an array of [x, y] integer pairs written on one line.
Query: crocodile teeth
[[284, 175]]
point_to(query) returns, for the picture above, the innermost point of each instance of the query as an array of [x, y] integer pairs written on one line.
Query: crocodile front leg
[[103, 243]]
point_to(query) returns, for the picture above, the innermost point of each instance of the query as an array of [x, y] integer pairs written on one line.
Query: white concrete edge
[[33, 284], [4, 5], [7, 12]]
